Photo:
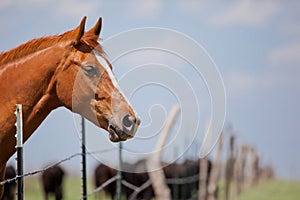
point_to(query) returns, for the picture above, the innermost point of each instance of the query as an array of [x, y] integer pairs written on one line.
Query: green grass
[[72, 189], [273, 190]]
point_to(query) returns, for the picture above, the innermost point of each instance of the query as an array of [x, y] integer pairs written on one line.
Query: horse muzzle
[[129, 125]]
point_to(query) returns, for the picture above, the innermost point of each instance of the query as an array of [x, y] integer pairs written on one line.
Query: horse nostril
[[128, 121]]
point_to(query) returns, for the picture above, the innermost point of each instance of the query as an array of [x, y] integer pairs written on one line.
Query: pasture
[[273, 190], [270, 190], [71, 185]]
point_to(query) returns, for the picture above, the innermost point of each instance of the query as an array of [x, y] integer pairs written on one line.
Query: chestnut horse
[[68, 70]]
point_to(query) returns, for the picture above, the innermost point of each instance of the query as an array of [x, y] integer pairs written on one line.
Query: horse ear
[[79, 31], [97, 28]]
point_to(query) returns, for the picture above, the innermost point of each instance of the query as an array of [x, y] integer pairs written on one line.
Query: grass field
[[72, 189], [271, 190]]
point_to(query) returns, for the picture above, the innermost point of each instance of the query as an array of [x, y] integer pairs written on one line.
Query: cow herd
[[182, 179], [177, 177]]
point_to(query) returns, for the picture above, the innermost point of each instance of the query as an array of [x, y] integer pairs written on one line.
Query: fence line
[[137, 190], [53, 165]]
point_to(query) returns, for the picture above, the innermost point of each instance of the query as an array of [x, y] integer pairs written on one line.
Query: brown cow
[[52, 180]]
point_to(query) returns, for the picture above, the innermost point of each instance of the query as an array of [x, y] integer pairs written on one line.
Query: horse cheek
[[64, 90]]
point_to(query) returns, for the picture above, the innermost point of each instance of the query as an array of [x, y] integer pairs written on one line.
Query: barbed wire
[[53, 165], [139, 189], [136, 189], [179, 181], [129, 185], [106, 183], [184, 180]]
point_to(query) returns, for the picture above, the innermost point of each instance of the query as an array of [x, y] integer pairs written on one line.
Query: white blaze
[[112, 77]]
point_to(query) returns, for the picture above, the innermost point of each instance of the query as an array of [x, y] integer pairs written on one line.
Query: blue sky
[[255, 45]]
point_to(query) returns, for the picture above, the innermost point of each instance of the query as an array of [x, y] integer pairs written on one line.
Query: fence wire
[[184, 180], [53, 165], [136, 189], [101, 187]]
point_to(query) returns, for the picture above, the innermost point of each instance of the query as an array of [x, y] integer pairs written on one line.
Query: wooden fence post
[[203, 165], [229, 168], [254, 166], [238, 173], [156, 174], [215, 170]]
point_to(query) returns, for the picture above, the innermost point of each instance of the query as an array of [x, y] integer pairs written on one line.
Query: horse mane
[[88, 41]]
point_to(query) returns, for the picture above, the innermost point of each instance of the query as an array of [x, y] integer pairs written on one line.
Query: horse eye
[[90, 70]]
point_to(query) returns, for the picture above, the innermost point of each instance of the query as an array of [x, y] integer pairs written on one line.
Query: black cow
[[104, 173], [9, 188], [52, 179], [190, 168]]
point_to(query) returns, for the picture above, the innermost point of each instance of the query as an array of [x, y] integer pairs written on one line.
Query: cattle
[[189, 168], [137, 179], [9, 188], [104, 173], [52, 179]]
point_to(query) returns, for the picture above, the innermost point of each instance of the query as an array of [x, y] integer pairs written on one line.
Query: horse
[[52, 179], [68, 70]]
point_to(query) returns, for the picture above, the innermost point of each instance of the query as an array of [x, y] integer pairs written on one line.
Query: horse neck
[[29, 81]]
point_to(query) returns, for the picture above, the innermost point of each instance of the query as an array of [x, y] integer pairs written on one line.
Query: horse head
[[86, 85]]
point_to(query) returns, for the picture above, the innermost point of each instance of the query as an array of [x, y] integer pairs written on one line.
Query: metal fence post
[[19, 147], [119, 180], [83, 150]]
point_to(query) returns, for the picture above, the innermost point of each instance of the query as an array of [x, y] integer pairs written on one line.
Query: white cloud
[[77, 9], [8, 3], [5, 3], [238, 81], [194, 7], [73, 8], [247, 13], [287, 54], [145, 8]]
